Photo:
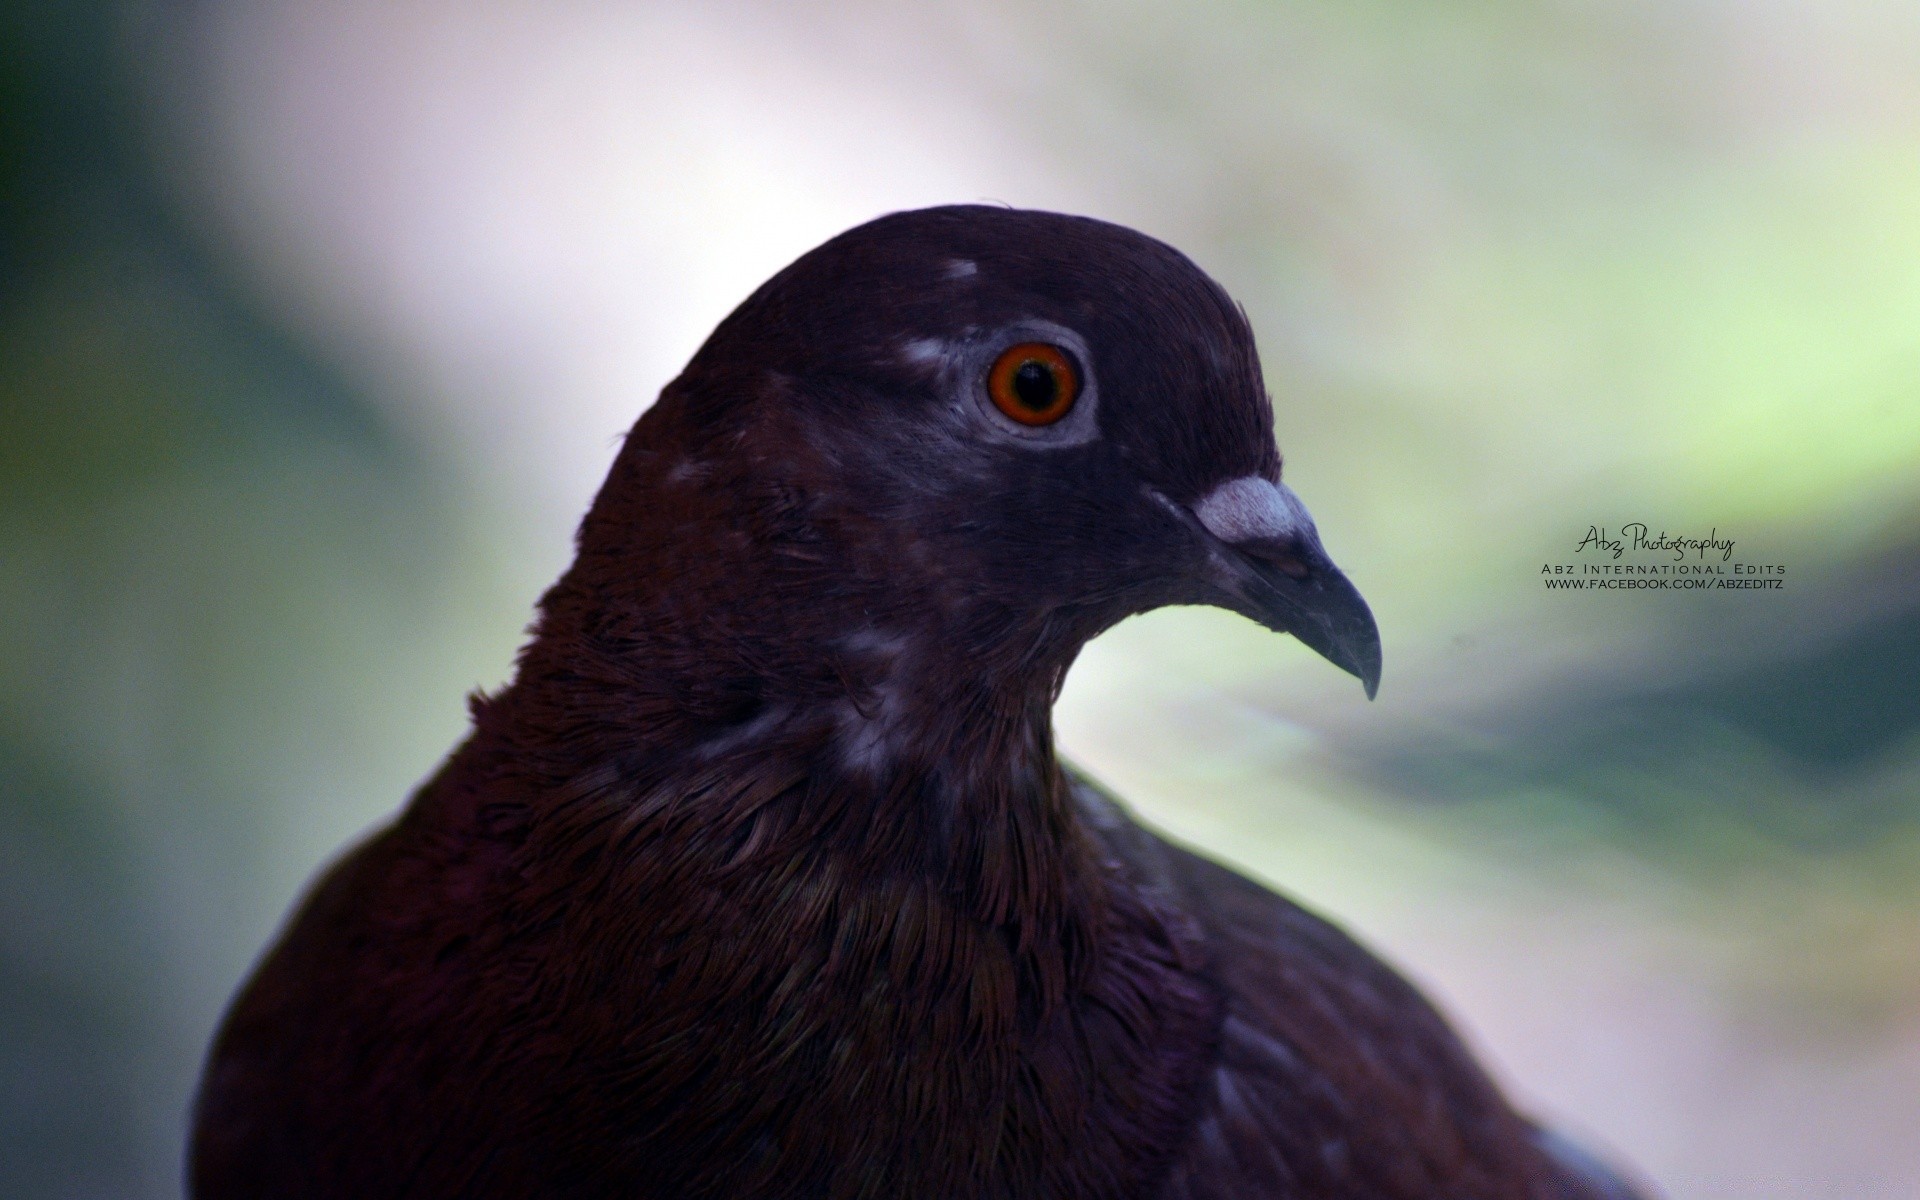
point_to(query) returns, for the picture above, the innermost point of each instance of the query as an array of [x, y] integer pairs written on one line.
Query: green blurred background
[[318, 322]]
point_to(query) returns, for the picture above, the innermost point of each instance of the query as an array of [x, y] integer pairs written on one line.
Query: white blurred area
[[515, 221], [527, 216]]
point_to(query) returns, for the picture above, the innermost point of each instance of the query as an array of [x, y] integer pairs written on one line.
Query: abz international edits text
[[1679, 577]]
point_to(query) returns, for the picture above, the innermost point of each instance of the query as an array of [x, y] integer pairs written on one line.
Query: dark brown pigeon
[[763, 879]]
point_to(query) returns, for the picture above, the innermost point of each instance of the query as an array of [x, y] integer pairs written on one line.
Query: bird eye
[[1034, 383]]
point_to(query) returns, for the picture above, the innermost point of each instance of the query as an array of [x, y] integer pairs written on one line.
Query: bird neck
[[873, 911], [877, 749], [769, 804], [722, 633]]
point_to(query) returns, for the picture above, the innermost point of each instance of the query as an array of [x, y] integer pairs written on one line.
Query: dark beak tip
[[1363, 661], [1370, 656], [1353, 642], [1319, 606]]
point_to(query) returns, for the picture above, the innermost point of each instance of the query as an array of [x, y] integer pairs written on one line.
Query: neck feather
[[810, 837]]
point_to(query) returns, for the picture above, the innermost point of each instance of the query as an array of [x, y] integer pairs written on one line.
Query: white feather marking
[[871, 730], [760, 726], [1259, 1042], [873, 642], [869, 742], [923, 352]]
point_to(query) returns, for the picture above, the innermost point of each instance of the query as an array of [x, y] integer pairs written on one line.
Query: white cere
[[1253, 509]]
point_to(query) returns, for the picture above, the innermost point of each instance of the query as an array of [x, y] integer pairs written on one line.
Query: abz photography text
[[1597, 539]]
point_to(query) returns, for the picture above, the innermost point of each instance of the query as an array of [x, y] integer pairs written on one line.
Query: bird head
[[1023, 426]]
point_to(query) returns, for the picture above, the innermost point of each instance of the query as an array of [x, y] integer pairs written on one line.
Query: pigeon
[[763, 877]]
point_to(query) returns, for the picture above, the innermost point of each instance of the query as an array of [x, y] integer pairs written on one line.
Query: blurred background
[[319, 323]]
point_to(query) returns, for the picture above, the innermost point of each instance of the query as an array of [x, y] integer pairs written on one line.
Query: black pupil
[[1035, 385]]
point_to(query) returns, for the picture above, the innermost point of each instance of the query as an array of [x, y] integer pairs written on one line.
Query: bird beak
[[1277, 573]]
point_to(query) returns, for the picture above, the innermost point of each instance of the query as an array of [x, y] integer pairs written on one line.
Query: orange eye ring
[[1034, 383]]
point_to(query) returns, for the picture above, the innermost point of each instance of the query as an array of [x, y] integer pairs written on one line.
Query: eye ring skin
[[966, 383], [1034, 383]]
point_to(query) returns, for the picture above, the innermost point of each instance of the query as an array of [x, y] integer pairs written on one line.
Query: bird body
[[762, 878]]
